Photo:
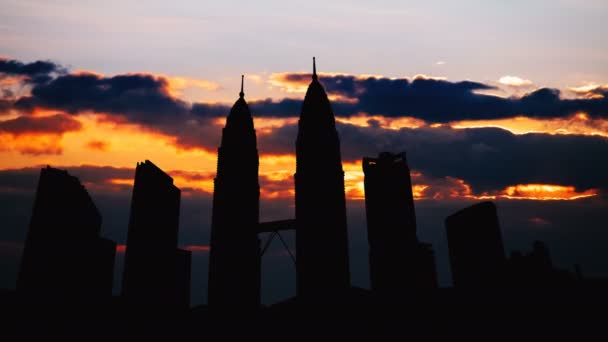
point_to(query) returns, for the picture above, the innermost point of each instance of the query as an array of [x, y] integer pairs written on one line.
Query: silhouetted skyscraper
[[155, 272], [397, 260], [321, 233], [477, 254], [234, 260], [64, 256]]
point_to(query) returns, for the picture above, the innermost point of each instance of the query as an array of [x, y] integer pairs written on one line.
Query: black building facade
[[234, 260], [64, 256], [398, 261], [322, 267], [156, 271], [477, 255]]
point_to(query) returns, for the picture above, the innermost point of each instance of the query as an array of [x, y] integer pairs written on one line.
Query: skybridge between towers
[[275, 228]]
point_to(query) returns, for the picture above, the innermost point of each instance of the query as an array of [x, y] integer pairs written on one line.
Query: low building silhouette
[[64, 257], [398, 261], [156, 272], [477, 255], [534, 270]]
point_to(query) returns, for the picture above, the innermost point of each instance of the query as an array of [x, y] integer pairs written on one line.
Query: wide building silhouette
[[234, 260], [156, 272], [64, 256], [398, 261], [322, 267], [477, 254]]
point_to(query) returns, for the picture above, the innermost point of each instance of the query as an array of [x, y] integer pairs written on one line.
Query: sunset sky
[[490, 99]]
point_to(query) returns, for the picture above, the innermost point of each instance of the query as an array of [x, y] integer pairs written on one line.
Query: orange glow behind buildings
[[579, 123], [545, 192]]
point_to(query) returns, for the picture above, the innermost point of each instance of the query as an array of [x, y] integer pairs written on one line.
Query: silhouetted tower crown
[[321, 232], [234, 261], [156, 271], [64, 255]]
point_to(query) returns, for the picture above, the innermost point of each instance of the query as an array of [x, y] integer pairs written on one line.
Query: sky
[[491, 100]]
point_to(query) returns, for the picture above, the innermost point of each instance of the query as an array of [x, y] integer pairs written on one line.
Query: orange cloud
[[11, 80], [452, 188], [265, 125], [32, 144], [382, 121], [589, 91], [579, 123], [176, 85], [193, 180], [545, 192], [198, 248], [98, 145]]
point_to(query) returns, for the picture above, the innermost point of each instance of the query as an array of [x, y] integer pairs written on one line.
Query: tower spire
[[242, 94], [314, 69]]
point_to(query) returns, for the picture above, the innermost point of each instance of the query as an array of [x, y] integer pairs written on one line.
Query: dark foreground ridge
[[444, 312]]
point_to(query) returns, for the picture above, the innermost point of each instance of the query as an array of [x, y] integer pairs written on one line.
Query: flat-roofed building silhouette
[[64, 256], [398, 261], [477, 255], [156, 272], [322, 267], [234, 260]]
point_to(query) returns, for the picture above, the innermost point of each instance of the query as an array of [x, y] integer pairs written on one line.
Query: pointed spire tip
[[242, 93], [314, 69]]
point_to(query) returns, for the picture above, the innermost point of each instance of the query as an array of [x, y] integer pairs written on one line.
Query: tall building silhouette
[[156, 272], [477, 255], [398, 261], [234, 260], [322, 267], [64, 256]]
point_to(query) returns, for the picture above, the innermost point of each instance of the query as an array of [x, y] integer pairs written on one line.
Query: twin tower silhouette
[[398, 261], [64, 253], [322, 267]]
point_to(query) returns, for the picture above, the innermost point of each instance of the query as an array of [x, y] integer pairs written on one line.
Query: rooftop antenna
[[242, 94]]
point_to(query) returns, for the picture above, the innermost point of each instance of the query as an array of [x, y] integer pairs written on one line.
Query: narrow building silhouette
[[477, 255], [398, 261], [322, 267], [64, 257], [156, 272], [234, 260]]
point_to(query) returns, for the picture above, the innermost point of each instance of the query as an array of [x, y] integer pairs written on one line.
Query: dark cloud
[[36, 72], [144, 99], [488, 159], [54, 124], [432, 100], [436, 100], [139, 97], [25, 179]]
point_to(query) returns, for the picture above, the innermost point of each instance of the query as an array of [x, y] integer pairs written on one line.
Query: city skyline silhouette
[[156, 281], [409, 169]]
